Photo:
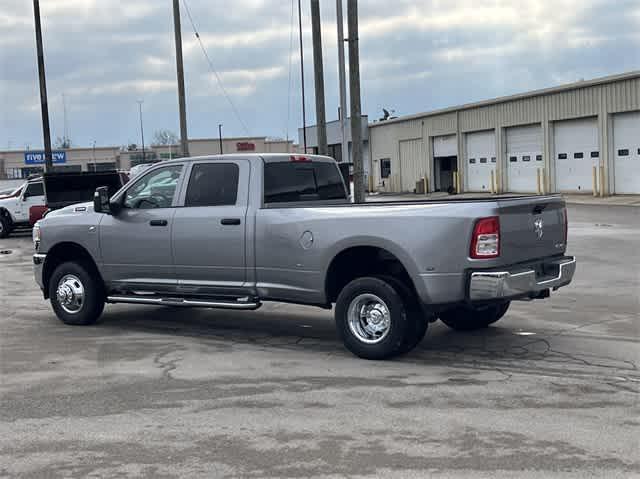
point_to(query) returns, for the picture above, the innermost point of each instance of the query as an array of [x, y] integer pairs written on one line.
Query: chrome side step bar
[[244, 303]]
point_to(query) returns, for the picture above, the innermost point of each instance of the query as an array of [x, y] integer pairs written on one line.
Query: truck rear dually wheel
[[77, 296], [418, 321], [466, 318], [371, 318]]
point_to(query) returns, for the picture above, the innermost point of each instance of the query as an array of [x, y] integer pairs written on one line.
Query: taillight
[[485, 242], [566, 226], [299, 159]]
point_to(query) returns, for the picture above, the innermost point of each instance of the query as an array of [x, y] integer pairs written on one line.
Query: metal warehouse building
[[571, 138]]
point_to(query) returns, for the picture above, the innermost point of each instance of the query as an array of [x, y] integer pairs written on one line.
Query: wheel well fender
[[364, 260], [63, 252]]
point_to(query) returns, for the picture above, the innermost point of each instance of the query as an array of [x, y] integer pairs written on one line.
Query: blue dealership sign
[[37, 157]]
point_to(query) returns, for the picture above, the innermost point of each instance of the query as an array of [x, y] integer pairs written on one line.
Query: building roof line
[[518, 96]]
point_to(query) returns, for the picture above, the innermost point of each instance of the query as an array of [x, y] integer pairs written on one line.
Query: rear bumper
[[520, 283]]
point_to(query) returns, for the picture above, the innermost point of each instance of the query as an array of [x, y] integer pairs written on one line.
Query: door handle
[[230, 221], [158, 222]]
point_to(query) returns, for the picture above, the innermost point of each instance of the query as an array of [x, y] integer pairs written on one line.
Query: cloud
[[415, 56]]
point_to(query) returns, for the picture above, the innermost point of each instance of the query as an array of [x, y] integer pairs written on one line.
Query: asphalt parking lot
[[553, 389]]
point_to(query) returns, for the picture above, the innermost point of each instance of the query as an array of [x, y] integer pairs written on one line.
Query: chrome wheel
[[70, 293], [369, 318]]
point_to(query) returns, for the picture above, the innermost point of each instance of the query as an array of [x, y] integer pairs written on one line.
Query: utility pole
[[220, 136], [342, 77], [95, 166], [318, 70], [140, 102], [184, 138], [356, 108], [304, 114], [44, 107]]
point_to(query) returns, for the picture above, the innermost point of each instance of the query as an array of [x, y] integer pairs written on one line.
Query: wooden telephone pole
[[318, 70], [356, 107], [44, 106], [184, 137]]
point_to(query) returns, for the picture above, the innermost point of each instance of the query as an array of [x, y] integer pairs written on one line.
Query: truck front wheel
[[371, 318], [5, 226], [469, 319], [77, 296]]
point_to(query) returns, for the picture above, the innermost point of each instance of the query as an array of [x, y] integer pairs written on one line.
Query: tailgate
[[531, 228]]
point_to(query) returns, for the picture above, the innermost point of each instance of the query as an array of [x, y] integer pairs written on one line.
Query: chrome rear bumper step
[[187, 303], [489, 285]]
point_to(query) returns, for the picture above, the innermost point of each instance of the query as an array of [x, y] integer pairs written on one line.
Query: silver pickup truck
[[235, 230]]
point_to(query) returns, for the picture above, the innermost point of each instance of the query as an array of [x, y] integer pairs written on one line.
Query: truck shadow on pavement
[[276, 327]]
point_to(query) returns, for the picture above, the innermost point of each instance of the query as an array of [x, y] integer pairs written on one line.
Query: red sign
[[245, 146]]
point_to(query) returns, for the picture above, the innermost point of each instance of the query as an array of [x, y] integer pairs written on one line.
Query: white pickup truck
[[14, 207]]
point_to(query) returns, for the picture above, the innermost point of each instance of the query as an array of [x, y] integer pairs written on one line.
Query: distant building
[[334, 140], [562, 139], [22, 163]]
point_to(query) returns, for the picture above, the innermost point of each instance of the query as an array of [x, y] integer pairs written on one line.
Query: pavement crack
[[166, 363]]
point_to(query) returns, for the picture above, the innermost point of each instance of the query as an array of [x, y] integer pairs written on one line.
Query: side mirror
[[101, 200]]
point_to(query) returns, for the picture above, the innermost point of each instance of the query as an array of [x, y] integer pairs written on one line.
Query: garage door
[[524, 157], [413, 166], [445, 146], [626, 144], [480, 160], [577, 151]]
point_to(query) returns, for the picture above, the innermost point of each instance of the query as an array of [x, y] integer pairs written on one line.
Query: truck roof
[[266, 157]]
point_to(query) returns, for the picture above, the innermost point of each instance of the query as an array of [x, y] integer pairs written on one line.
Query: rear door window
[[292, 182], [213, 184]]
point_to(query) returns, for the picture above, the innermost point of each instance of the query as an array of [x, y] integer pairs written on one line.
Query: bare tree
[[164, 137], [63, 143]]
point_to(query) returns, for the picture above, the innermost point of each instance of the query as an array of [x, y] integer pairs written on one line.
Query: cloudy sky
[[103, 55]]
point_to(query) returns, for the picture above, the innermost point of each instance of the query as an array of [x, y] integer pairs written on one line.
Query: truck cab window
[[34, 189], [291, 182], [213, 184], [156, 189]]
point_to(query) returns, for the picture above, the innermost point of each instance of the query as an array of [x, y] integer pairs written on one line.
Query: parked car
[[234, 231], [15, 208]]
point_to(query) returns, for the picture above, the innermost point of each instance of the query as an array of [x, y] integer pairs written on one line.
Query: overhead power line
[[213, 69]]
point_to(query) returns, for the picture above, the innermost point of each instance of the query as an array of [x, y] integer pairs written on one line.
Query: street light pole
[[220, 136], [140, 102]]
